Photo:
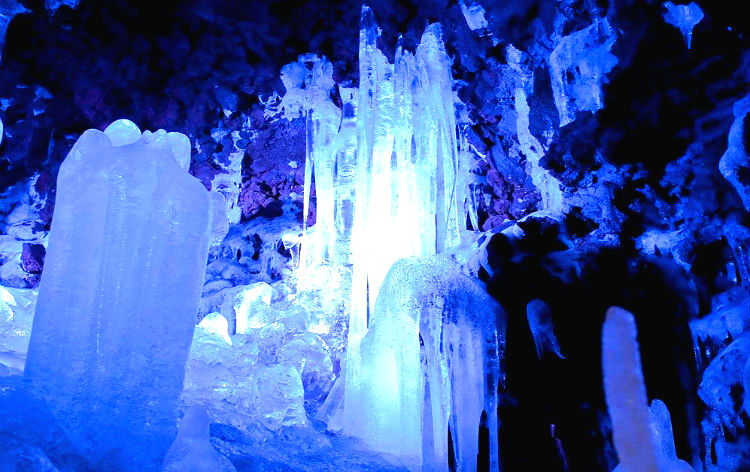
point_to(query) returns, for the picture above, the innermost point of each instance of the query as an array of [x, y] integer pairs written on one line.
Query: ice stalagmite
[[642, 435], [119, 293]]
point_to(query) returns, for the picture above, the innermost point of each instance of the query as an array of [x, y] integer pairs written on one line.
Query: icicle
[[430, 361]]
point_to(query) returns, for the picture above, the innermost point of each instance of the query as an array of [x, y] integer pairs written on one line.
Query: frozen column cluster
[[120, 291], [391, 193]]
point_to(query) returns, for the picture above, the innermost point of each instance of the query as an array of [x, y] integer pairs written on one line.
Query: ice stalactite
[[735, 163], [549, 187], [684, 18], [430, 363], [121, 286], [642, 435], [539, 316]]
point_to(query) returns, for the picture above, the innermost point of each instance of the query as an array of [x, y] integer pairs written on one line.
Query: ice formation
[[389, 184], [429, 364], [722, 343], [119, 293], [539, 316], [735, 163], [474, 14], [578, 66], [192, 451], [684, 18], [642, 435]]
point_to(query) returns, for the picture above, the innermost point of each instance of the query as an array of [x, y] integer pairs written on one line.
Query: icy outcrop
[[578, 66], [642, 435], [722, 342], [119, 292], [684, 18], [735, 163], [430, 361], [192, 451]]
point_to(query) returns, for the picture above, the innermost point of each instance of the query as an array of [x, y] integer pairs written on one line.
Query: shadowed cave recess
[[465, 235]]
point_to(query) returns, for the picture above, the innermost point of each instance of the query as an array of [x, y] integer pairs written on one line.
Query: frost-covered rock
[[578, 66]]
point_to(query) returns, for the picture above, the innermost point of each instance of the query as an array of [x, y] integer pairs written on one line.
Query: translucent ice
[[578, 66], [252, 306], [217, 325], [192, 451], [642, 435], [539, 316], [429, 362], [119, 293], [684, 18], [735, 163]]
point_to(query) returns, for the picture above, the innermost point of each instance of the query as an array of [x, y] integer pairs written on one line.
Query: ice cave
[[399, 236]]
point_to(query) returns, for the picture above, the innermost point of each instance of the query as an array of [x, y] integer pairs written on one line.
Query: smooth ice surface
[[684, 18], [119, 293], [191, 450], [735, 163], [429, 361]]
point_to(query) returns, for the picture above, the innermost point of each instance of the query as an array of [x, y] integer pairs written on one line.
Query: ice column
[[429, 362], [120, 291]]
